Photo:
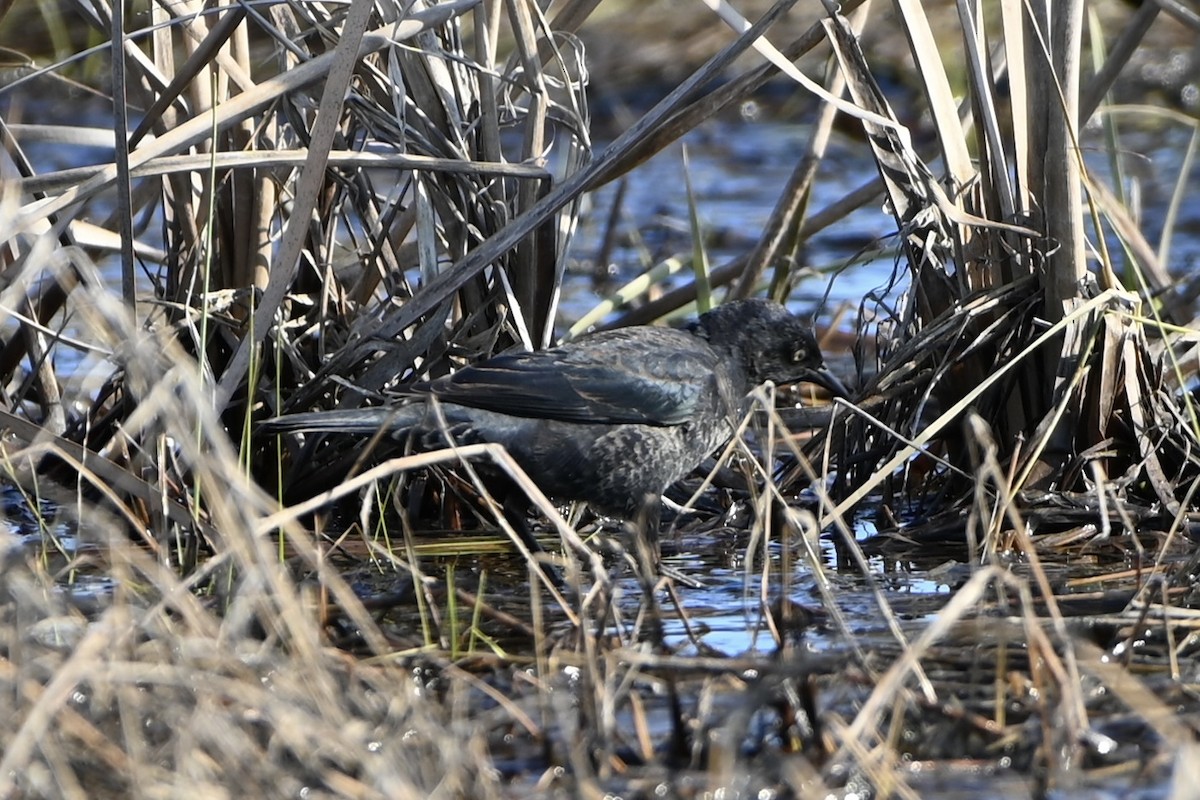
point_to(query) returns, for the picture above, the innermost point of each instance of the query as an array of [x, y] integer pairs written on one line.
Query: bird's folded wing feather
[[655, 377]]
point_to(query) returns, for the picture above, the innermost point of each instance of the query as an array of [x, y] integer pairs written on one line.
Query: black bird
[[613, 418]]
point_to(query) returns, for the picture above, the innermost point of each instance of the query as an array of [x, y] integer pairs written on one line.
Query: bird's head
[[772, 343]]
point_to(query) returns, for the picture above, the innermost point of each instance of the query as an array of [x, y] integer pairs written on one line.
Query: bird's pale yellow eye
[[799, 356]]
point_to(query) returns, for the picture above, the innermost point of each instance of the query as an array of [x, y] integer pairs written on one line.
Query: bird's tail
[[363, 421]]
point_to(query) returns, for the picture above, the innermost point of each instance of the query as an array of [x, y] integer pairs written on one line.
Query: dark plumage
[[613, 418]]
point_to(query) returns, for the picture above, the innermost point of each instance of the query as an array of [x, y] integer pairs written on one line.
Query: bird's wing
[[647, 376]]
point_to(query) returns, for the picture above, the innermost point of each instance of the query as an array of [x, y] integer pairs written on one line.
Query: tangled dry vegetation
[[349, 197]]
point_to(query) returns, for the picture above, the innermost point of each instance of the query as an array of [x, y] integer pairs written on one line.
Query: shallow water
[[737, 169]]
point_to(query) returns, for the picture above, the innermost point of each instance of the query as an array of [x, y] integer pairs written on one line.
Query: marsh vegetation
[[310, 206]]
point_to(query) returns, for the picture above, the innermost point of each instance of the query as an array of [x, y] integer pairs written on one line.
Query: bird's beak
[[821, 376]]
